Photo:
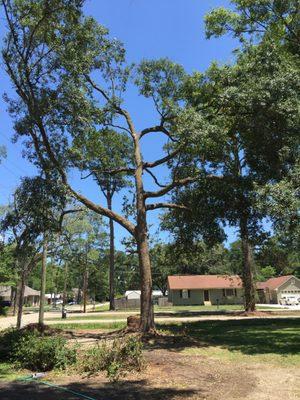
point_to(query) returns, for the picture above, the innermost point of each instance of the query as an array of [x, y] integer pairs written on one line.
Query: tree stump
[[133, 323]]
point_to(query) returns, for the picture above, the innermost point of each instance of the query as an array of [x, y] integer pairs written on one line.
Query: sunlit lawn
[[9, 373], [159, 312], [91, 325], [276, 340], [261, 340]]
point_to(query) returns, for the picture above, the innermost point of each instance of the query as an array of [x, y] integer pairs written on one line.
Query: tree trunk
[[21, 290], [147, 315], [85, 285], [111, 256], [247, 276], [43, 281], [65, 290], [141, 235], [14, 300]]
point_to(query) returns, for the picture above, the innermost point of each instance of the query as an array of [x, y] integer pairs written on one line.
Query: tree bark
[[21, 290], [141, 234], [85, 285], [111, 256], [247, 276], [65, 290], [14, 300], [43, 281]]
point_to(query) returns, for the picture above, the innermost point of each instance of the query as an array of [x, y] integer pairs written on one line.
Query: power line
[[9, 170], [10, 161]]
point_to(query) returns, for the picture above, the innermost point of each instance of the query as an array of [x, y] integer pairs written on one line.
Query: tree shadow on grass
[[249, 336], [129, 390]]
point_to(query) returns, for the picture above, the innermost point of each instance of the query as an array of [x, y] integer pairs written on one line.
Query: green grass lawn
[[276, 340], [90, 316], [104, 307], [199, 308], [179, 310], [224, 308], [9, 373], [91, 325]]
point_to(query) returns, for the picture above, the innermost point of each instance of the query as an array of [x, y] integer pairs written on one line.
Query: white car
[[289, 300]]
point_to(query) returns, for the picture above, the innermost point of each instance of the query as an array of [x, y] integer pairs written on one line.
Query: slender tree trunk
[[21, 291], [248, 279], [147, 314], [111, 256], [15, 300], [65, 289], [85, 285], [43, 281]]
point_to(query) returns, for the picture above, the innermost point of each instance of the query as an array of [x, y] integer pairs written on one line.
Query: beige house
[[205, 289], [274, 289], [31, 296]]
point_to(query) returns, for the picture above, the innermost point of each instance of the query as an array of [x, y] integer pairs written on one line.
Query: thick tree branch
[[157, 128], [103, 211], [178, 183], [88, 203], [155, 206], [163, 159], [110, 172], [168, 188]]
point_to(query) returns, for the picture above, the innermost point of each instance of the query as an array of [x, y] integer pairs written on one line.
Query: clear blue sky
[[149, 29]]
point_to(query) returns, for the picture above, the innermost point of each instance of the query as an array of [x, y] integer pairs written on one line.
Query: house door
[[206, 295]]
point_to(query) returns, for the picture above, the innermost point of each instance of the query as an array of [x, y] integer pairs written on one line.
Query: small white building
[[136, 294], [53, 297]]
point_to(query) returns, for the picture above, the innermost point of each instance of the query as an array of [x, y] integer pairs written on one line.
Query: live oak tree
[[275, 21], [253, 106], [70, 79], [282, 202]]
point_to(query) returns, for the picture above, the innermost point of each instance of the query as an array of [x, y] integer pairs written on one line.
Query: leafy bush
[[116, 358], [29, 348], [42, 353], [8, 339], [3, 310]]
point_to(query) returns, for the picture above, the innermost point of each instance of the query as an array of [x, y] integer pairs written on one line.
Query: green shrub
[[3, 310], [8, 339], [116, 358], [42, 353]]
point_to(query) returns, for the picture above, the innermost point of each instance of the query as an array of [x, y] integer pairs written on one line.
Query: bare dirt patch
[[170, 375]]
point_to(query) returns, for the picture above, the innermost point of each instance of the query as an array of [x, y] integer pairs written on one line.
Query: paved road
[[8, 322]]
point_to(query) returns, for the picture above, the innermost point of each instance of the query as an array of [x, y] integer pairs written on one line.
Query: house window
[[229, 292], [185, 294]]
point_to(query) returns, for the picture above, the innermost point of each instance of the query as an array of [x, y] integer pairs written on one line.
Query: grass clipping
[[117, 358]]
